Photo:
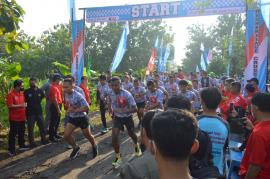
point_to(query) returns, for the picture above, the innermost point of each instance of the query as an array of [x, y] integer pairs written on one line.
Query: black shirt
[[33, 98]]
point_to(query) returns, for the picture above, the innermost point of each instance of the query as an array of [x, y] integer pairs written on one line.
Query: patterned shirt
[[139, 94], [76, 100], [190, 95], [78, 89], [154, 98], [127, 86], [104, 91], [172, 89], [124, 100]]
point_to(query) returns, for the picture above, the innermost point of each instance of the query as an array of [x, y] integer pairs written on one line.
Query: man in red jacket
[[84, 87], [17, 117]]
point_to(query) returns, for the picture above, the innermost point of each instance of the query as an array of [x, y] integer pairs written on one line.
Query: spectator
[[123, 105], [215, 126], [46, 89], [33, 97], [103, 91], [174, 140], [16, 108], [250, 90], [256, 160], [56, 101], [77, 117], [84, 87], [255, 83], [154, 97], [145, 166]]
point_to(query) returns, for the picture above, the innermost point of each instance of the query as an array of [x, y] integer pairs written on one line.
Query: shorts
[[81, 122], [140, 105], [120, 122]]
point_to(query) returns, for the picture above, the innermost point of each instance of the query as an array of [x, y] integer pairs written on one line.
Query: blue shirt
[[172, 89], [104, 91], [76, 100], [218, 132], [124, 100], [127, 86], [139, 94], [190, 95]]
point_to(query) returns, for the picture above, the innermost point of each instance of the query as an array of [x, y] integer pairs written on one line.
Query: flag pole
[[84, 38]]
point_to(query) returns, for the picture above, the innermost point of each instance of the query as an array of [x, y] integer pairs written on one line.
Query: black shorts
[[120, 122], [140, 105], [81, 122]]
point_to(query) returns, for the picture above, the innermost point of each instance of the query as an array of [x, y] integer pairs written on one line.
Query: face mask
[[22, 89], [32, 85]]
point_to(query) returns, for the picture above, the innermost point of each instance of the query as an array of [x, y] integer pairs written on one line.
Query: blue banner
[[165, 59], [160, 59], [163, 10], [121, 49], [265, 8]]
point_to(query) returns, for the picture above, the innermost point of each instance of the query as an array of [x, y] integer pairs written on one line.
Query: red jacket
[[86, 93], [16, 98]]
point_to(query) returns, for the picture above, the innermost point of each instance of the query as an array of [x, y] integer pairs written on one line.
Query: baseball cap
[[253, 80]]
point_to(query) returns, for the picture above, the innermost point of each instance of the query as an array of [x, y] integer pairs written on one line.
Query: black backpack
[[201, 163]]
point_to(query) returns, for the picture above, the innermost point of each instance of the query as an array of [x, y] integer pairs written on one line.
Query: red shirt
[[55, 92], [258, 151], [86, 93], [16, 98]]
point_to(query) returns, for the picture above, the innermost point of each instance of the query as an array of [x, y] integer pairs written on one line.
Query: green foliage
[[11, 15], [64, 70], [217, 38]]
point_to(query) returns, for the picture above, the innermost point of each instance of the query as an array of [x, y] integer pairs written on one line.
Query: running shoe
[[23, 148], [117, 162], [138, 151], [74, 153], [104, 130], [95, 151], [58, 137], [11, 154]]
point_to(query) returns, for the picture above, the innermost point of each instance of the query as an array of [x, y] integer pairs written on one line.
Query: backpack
[[201, 163]]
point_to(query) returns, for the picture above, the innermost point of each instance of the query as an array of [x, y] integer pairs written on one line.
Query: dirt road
[[52, 160]]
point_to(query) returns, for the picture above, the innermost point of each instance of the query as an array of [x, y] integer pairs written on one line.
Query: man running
[[154, 97], [138, 93], [122, 104], [172, 87], [77, 117]]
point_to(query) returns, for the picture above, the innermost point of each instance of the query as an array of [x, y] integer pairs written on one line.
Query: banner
[[183, 8], [256, 48], [265, 8], [151, 64], [160, 57], [77, 50], [165, 59], [121, 49]]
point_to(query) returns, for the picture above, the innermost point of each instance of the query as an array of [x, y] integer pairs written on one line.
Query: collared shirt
[[33, 98], [86, 93], [154, 98], [124, 100], [76, 100], [16, 98], [139, 94], [172, 89], [258, 150]]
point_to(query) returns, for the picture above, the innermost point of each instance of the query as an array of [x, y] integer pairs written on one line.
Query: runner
[[103, 91], [138, 93], [77, 117], [122, 104], [154, 97], [172, 87], [183, 85], [127, 85]]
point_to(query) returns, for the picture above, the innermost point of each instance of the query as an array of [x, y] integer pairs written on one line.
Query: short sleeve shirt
[[127, 86], [78, 89], [104, 90], [55, 93], [190, 95], [76, 100], [153, 98], [258, 150], [139, 94], [123, 100], [218, 131], [172, 89]]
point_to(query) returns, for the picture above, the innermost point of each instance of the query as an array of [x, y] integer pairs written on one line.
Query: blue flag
[[121, 49], [165, 58], [265, 9], [160, 59], [156, 43]]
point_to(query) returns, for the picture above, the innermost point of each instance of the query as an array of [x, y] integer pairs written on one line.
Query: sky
[[41, 15]]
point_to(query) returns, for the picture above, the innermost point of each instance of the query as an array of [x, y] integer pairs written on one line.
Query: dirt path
[[52, 161]]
